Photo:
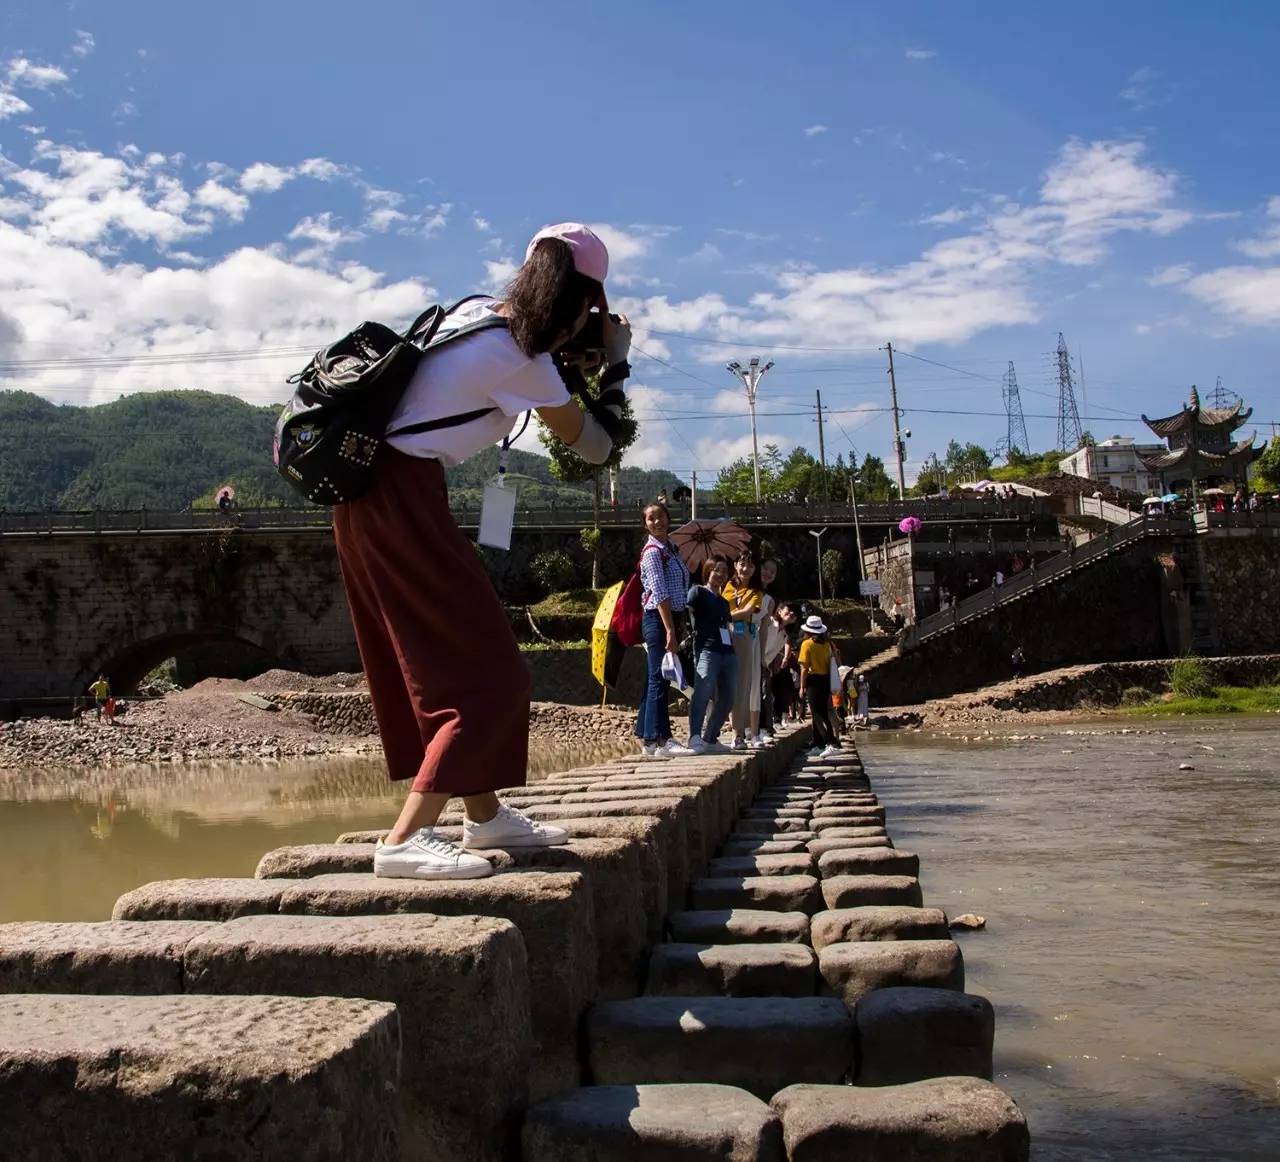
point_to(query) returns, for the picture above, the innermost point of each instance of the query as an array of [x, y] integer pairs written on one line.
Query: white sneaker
[[510, 828], [738, 744], [763, 739], [676, 749], [831, 752], [425, 856], [697, 745], [653, 750]]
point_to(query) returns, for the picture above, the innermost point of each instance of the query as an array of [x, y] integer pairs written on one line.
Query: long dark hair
[[546, 297]]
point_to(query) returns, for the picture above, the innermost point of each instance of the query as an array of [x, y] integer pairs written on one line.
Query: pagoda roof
[[1241, 455], [1194, 415]]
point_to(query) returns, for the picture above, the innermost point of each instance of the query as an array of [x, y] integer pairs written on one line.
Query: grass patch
[[1189, 679], [570, 603], [547, 647], [1218, 700]]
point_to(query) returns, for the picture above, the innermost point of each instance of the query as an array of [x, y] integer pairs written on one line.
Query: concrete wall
[[1244, 573]]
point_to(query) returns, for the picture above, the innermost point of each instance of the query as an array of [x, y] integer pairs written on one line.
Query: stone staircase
[[729, 959]]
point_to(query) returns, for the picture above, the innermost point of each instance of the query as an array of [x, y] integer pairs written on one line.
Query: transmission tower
[[1016, 435], [1069, 434], [1222, 397]]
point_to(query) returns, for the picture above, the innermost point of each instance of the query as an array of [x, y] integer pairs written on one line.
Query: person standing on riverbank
[[449, 688], [815, 684], [101, 691], [665, 582]]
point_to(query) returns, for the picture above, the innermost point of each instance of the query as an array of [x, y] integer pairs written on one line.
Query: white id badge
[[725, 635], [497, 516]]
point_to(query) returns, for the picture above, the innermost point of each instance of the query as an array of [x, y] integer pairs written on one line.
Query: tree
[[554, 571], [590, 541], [967, 461], [1266, 468], [832, 570], [874, 482]]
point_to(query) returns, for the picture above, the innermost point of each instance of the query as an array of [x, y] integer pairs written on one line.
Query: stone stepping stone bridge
[[729, 960]]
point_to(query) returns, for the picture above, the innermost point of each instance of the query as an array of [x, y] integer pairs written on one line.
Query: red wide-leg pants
[[450, 690]]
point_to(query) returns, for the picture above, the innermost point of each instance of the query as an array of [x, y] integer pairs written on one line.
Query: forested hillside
[[173, 448]]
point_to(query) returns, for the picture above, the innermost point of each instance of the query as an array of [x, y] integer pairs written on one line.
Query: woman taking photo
[[715, 664], [744, 598], [450, 691], [665, 582]]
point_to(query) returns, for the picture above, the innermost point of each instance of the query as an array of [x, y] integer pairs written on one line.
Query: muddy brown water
[[1132, 948]]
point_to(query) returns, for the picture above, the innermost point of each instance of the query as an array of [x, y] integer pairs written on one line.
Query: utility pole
[[897, 431], [822, 448], [693, 499], [751, 375], [857, 527]]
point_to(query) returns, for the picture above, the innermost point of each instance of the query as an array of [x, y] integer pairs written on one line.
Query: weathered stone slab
[[776, 811], [872, 817], [870, 861], [134, 1079], [950, 1117], [762, 845], [847, 799], [460, 981], [802, 864], [851, 971], [653, 1123], [732, 970], [739, 926], [771, 825], [910, 1034], [851, 925], [745, 837], [206, 899], [831, 842], [553, 911], [112, 956], [758, 1043], [720, 787], [871, 891], [771, 893], [867, 831]]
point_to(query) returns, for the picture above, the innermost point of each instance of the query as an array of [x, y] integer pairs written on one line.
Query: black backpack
[[329, 435]]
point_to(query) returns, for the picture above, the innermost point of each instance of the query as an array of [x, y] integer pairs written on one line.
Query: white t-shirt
[[486, 369]]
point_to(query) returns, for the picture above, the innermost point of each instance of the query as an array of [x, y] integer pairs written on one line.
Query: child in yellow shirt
[[815, 684]]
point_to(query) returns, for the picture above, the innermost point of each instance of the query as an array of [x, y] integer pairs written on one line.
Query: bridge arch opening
[[198, 654]]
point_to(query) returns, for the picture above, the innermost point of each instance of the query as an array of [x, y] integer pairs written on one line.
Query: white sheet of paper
[[497, 516], [724, 635]]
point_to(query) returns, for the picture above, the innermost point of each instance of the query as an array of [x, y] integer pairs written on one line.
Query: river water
[[1132, 948]]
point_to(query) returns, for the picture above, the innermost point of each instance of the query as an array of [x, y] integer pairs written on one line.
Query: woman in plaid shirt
[[666, 593]]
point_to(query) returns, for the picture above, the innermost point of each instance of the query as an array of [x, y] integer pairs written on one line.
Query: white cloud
[[226, 201], [815, 130], [11, 105], [481, 224], [1267, 244], [265, 178], [383, 218], [949, 217], [920, 54], [707, 252], [500, 272], [1146, 89], [1245, 294], [322, 169], [1169, 275], [85, 44], [26, 73]]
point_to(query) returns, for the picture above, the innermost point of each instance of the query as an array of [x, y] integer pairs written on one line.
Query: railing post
[[143, 518]]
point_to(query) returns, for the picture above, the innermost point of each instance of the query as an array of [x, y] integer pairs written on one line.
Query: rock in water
[[969, 920]]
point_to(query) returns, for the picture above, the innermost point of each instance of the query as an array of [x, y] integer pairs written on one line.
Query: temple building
[[1201, 446]]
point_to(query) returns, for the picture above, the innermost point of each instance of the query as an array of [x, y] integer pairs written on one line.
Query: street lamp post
[[857, 526], [818, 537], [751, 375]]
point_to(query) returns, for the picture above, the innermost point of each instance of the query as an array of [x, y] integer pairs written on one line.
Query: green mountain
[[168, 449]]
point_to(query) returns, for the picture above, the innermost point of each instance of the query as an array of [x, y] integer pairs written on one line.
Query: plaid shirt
[[663, 576]]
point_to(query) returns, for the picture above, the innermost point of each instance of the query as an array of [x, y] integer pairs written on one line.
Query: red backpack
[[627, 624]]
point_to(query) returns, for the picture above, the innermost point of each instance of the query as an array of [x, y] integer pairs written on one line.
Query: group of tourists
[[750, 654]]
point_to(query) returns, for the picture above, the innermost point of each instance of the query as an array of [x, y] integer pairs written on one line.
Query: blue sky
[[249, 177]]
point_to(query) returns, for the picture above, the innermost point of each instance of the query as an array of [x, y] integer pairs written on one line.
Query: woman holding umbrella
[[665, 581]]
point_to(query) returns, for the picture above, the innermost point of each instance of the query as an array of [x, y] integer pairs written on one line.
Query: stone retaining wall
[[729, 958]]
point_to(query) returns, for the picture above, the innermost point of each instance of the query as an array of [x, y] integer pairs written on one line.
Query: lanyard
[[504, 453]]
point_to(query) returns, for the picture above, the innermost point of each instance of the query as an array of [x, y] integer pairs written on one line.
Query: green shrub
[[554, 571], [589, 538], [832, 570], [1189, 679], [1133, 696]]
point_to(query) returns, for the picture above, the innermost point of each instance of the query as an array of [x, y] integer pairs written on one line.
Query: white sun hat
[[813, 624]]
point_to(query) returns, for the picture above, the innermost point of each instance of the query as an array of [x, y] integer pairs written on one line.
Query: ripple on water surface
[[1132, 950]]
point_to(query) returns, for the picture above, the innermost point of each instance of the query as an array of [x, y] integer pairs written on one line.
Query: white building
[[1115, 462]]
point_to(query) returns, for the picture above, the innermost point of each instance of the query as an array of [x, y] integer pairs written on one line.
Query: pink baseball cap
[[590, 255]]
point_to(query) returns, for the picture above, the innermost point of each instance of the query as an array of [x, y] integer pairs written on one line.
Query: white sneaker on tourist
[[697, 745], [831, 752], [511, 828], [738, 744], [425, 856], [676, 750], [653, 750], [763, 739]]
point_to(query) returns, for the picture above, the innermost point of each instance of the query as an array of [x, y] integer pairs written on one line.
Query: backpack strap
[[433, 341]]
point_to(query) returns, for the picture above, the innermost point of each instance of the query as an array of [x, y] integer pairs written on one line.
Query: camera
[[590, 340]]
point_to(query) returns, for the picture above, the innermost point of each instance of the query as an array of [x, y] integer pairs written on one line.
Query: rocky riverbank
[[278, 715]]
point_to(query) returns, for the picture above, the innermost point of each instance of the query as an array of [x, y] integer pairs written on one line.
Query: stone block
[[739, 838], [207, 899], [823, 823], [949, 1117], [847, 799], [762, 845], [457, 981], [112, 956], [776, 811], [690, 804], [770, 893], [653, 1123], [871, 891], [759, 1044], [851, 971], [830, 842], [868, 861], [801, 864], [851, 925], [771, 825], [732, 970], [861, 831], [828, 810], [722, 787], [304, 860], [739, 926], [910, 1034], [553, 911], [139, 1078]]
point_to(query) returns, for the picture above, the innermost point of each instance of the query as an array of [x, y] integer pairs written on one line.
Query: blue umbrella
[[1169, 498]]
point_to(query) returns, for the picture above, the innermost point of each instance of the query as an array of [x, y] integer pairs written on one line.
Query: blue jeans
[[716, 674], [653, 724]]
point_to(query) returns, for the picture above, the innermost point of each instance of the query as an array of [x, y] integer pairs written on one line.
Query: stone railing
[[693, 968]]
